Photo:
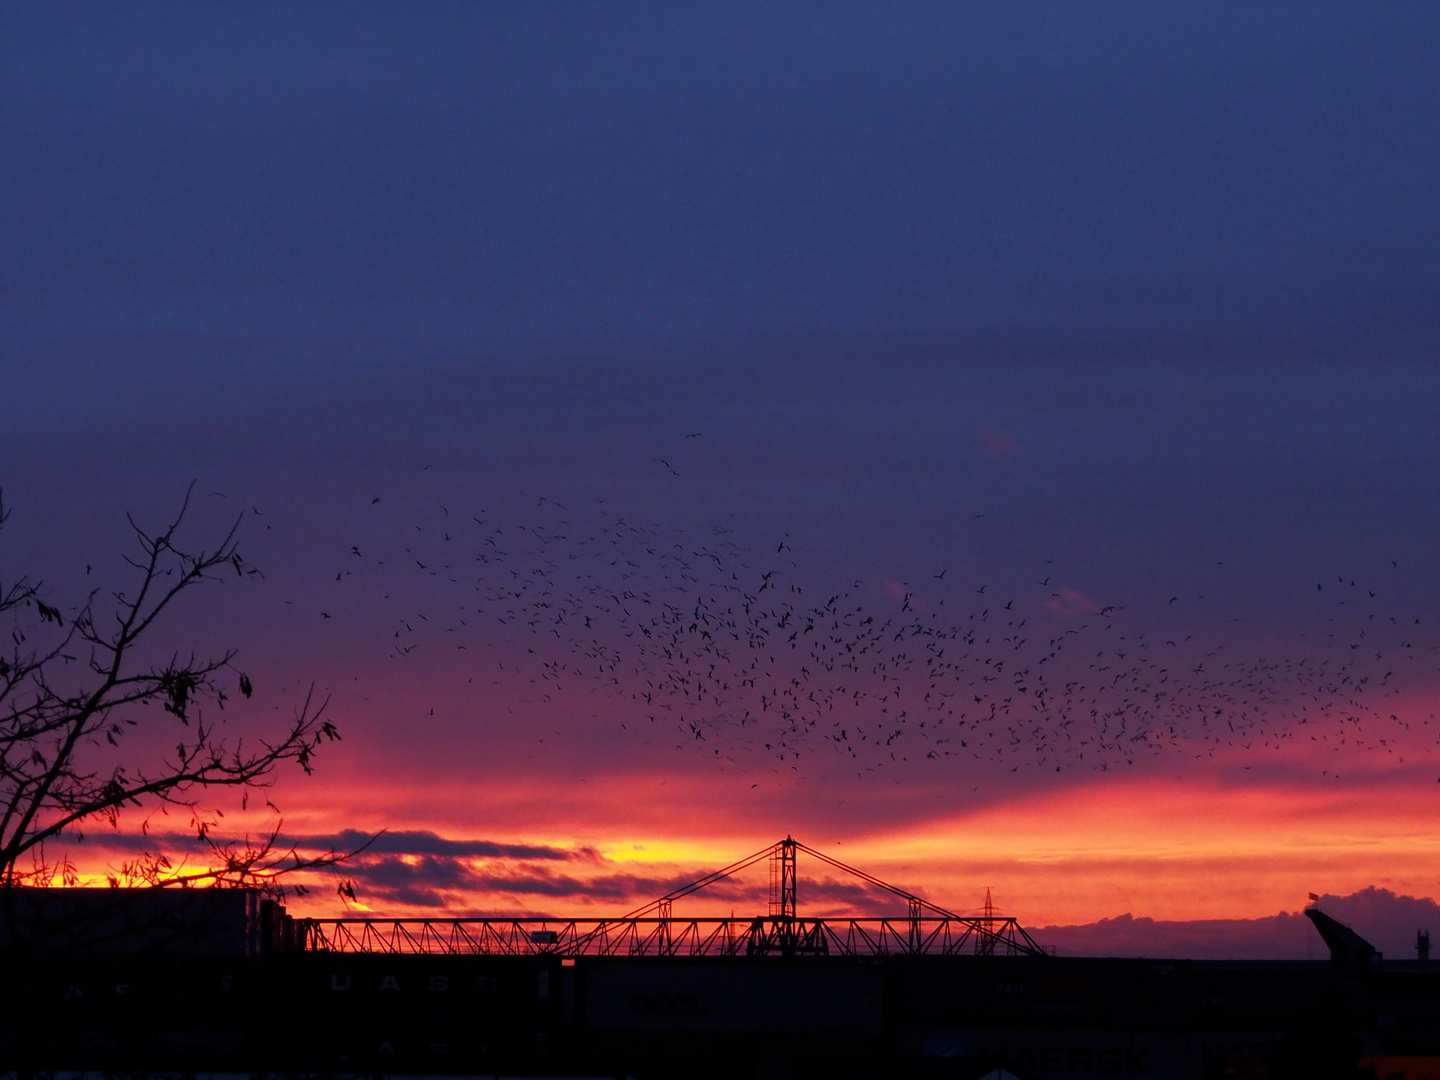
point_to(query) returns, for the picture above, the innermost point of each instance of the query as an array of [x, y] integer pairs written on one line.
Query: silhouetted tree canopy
[[85, 706]]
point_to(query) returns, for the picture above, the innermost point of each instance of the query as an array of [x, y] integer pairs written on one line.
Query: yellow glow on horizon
[[1168, 848], [696, 851]]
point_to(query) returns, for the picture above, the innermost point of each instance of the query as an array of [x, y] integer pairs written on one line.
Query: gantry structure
[[655, 930]]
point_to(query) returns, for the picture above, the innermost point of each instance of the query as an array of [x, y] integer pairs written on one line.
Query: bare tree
[[75, 684]]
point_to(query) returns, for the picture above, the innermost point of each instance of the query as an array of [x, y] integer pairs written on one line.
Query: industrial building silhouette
[[188, 981]]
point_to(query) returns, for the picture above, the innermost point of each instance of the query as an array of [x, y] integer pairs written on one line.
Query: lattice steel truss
[[653, 930]]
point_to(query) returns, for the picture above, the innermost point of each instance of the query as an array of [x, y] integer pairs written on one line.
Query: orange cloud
[[1223, 845]]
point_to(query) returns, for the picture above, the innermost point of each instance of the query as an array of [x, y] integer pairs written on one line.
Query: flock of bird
[[727, 649]]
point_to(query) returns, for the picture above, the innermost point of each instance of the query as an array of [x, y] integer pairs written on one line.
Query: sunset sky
[[564, 361]]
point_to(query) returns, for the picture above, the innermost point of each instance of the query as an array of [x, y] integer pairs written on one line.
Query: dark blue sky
[[1151, 288], [376, 182]]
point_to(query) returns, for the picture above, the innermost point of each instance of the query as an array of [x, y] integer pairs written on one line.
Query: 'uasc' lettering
[[666, 1005], [1074, 1060]]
